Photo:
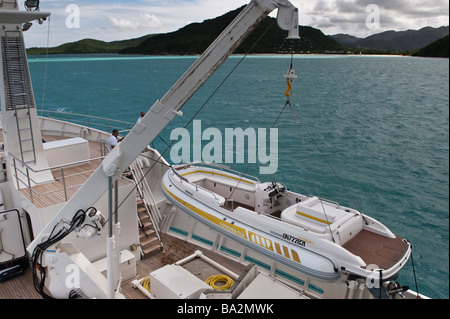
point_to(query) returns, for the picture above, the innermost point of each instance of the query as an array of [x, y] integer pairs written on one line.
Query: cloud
[[125, 19], [349, 16], [141, 21]]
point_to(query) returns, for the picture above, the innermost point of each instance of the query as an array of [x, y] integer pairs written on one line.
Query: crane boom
[[165, 110]]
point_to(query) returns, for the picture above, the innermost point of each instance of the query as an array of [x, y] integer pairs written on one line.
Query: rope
[[198, 111], [295, 115], [46, 66], [145, 283], [309, 167], [414, 273], [220, 278], [267, 135]]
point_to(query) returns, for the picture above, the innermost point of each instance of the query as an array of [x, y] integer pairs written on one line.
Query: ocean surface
[[372, 132]]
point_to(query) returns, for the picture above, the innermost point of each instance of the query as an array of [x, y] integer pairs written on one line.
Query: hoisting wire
[[309, 167], [295, 115], [290, 77], [267, 135], [414, 273], [44, 91], [198, 111]]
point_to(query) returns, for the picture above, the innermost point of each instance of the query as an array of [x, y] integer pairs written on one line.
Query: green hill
[[410, 40], [438, 48], [196, 37], [90, 46]]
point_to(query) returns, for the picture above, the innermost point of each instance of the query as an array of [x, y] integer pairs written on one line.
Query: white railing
[[88, 121], [147, 196], [23, 177], [22, 172]]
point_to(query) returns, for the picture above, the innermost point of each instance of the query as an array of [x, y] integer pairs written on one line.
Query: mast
[[22, 136]]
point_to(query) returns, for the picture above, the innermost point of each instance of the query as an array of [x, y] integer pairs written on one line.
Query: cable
[[267, 135], [220, 278], [295, 115], [44, 90], [146, 283], [38, 252], [414, 273], [197, 112]]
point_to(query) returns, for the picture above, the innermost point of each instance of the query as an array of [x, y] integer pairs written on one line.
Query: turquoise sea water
[[381, 122]]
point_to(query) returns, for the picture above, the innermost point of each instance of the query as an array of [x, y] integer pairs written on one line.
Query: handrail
[[223, 167], [179, 176], [57, 166], [22, 170], [197, 187], [108, 123], [29, 180]]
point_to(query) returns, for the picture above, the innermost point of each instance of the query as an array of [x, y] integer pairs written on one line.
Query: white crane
[[76, 212]]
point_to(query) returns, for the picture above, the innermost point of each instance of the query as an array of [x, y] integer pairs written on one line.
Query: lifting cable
[[295, 115], [198, 111], [290, 77], [414, 273], [44, 89], [38, 271]]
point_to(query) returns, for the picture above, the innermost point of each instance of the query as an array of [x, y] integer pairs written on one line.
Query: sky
[[111, 20]]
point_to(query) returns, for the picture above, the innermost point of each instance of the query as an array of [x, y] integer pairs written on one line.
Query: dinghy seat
[[324, 217]]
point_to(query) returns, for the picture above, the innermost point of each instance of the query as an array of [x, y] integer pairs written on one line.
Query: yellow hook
[[288, 92], [290, 77]]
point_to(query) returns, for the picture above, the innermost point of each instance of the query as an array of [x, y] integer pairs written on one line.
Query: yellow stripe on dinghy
[[241, 232], [219, 174], [314, 218]]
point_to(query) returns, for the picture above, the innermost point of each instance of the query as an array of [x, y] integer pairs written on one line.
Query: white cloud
[[126, 19], [142, 21]]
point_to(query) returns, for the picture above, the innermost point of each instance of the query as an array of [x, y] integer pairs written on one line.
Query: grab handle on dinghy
[[178, 175]]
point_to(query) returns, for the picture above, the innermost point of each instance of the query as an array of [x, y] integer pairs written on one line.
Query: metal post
[[29, 185], [64, 183], [110, 210], [110, 244], [116, 202], [15, 171]]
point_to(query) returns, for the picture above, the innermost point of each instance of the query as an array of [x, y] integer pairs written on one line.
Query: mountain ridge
[[409, 40], [194, 38]]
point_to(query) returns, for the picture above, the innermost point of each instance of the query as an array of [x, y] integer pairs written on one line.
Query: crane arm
[[164, 110]]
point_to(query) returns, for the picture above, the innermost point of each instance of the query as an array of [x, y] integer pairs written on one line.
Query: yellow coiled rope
[[146, 283], [220, 278]]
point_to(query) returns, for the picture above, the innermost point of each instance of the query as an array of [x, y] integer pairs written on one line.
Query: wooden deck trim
[[376, 249]]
